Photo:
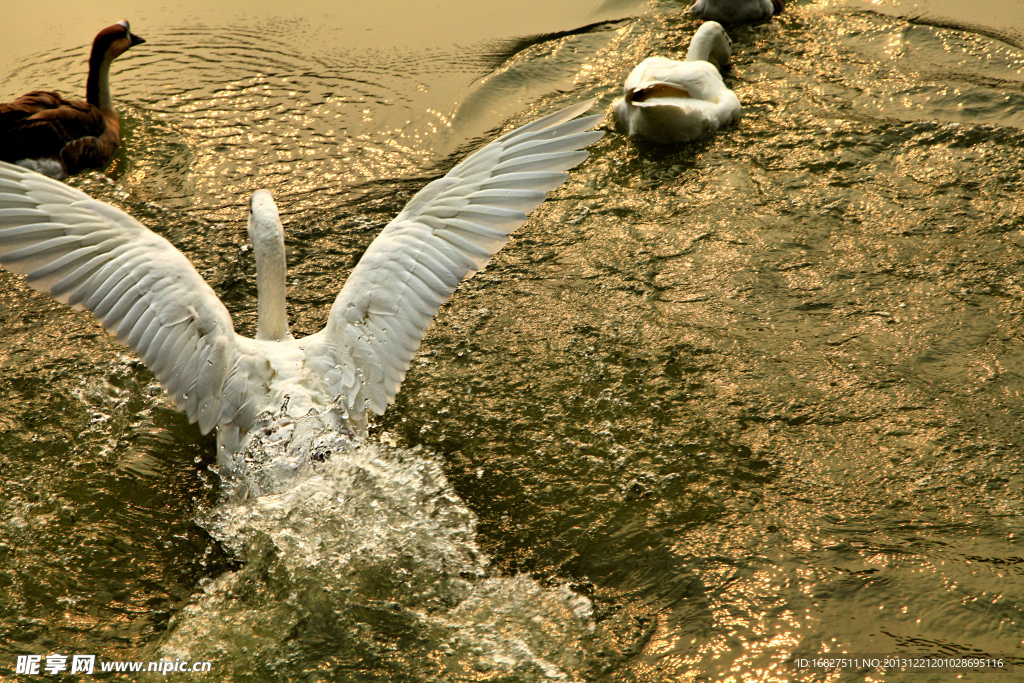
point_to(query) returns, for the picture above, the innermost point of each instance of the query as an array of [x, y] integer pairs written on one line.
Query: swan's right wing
[[448, 231], [94, 256]]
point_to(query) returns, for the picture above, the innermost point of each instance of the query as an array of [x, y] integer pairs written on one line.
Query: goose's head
[[711, 44], [114, 41]]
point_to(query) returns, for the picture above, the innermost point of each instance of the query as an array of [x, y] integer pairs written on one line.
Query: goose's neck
[[709, 47], [272, 315], [97, 88]]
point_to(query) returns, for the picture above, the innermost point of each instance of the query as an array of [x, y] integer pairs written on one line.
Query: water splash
[[360, 556]]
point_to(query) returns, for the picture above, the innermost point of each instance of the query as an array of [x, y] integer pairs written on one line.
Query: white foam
[[368, 548]]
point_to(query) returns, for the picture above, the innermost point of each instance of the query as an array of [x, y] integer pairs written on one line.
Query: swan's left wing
[[94, 256], [448, 231]]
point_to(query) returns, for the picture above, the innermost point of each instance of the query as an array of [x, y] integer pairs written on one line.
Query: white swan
[[736, 11], [671, 101], [92, 255]]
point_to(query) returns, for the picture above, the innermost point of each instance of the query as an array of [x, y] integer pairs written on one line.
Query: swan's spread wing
[[447, 231], [92, 255]]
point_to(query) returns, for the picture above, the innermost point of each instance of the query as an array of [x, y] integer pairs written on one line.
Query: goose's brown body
[[43, 125], [61, 137]]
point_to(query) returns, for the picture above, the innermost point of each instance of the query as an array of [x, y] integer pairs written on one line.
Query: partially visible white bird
[[94, 256], [736, 11], [671, 101]]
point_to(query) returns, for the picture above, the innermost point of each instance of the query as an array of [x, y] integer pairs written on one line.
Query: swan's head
[[657, 78], [264, 220], [114, 41], [711, 44], [655, 90]]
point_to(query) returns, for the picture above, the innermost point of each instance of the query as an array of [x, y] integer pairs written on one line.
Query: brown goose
[[47, 133]]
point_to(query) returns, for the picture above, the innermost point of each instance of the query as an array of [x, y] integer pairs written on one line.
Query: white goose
[[671, 101], [736, 11], [94, 256]]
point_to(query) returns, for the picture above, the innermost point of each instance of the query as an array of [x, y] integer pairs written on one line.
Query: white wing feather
[[94, 256], [448, 231]]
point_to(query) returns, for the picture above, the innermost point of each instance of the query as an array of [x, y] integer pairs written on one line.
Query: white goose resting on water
[[59, 137], [94, 256], [669, 101], [736, 11]]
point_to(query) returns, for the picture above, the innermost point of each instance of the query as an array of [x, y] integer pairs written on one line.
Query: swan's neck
[[97, 88], [709, 47], [272, 321]]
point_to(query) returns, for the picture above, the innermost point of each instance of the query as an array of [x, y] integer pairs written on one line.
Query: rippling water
[[714, 404]]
